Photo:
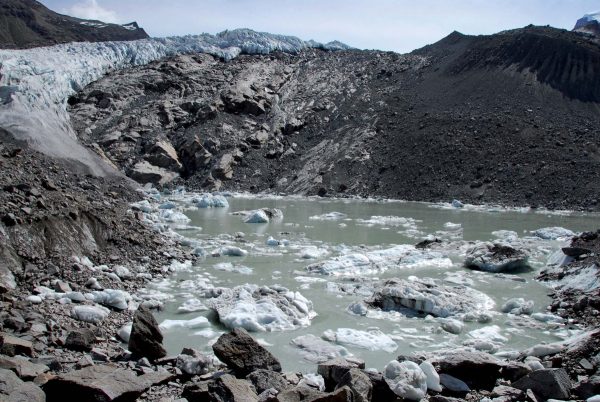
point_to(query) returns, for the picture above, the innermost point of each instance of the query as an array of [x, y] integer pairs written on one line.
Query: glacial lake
[[360, 228]]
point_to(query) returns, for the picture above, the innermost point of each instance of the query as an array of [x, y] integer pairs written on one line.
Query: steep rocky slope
[[509, 118], [28, 23]]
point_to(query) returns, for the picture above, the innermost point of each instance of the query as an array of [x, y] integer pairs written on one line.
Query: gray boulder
[[12, 346], [22, 367], [453, 384], [146, 339], [81, 340], [359, 383], [478, 370], [548, 383], [241, 353], [13, 389], [334, 370], [144, 172], [267, 379], [102, 383], [227, 388]]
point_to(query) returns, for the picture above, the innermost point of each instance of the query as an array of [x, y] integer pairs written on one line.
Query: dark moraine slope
[[28, 23], [510, 118]]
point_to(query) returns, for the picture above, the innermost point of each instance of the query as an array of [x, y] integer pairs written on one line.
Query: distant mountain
[[589, 23], [28, 23]]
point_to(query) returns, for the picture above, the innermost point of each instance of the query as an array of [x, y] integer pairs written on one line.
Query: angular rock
[[227, 388], [479, 370], [144, 172], [588, 387], [241, 353], [80, 340], [12, 346], [146, 339], [334, 370], [13, 389], [299, 393], [196, 391], [548, 383], [454, 385], [267, 379], [223, 170], [343, 394], [164, 156], [509, 393], [22, 367], [359, 383], [102, 383], [381, 389]]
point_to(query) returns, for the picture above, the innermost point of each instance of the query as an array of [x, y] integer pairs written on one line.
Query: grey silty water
[[282, 266]]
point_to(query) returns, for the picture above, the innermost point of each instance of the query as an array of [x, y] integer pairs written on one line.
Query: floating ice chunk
[[258, 216], [231, 251], [262, 309], [177, 266], [553, 233], [393, 221], [542, 350], [546, 317], [506, 235], [192, 306], [452, 226], [406, 380], [372, 339], [311, 253], [358, 308], [93, 314], [378, 261], [457, 204], [329, 216], [518, 306], [427, 297], [584, 279], [272, 242], [143, 206], [229, 267], [211, 201], [198, 322], [117, 299], [451, 325], [317, 350], [124, 332], [170, 215], [491, 333], [433, 379], [496, 257], [167, 205]]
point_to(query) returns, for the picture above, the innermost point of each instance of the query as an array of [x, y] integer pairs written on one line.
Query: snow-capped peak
[[589, 20]]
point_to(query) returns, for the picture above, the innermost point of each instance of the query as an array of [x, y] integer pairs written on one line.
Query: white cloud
[[91, 10]]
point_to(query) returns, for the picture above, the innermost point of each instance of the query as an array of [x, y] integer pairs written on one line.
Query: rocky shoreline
[[62, 316]]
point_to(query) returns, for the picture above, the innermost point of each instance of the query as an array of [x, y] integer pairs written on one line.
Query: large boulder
[[146, 339], [496, 257], [477, 369], [81, 340], [359, 383], [12, 346], [267, 379], [223, 169], [241, 353], [102, 383], [13, 389], [334, 370], [164, 156], [22, 367], [227, 388], [547, 383], [144, 172]]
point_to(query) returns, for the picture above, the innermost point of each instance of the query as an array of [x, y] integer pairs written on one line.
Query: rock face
[[29, 24], [241, 353], [102, 383], [548, 383], [146, 339], [307, 123], [227, 388]]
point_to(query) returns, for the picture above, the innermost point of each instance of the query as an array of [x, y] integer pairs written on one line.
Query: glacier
[[35, 84]]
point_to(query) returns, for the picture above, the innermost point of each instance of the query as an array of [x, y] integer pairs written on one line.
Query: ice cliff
[[36, 83]]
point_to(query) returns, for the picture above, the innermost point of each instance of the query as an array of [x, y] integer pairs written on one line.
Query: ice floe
[[372, 339], [198, 322], [553, 233], [211, 201], [329, 216], [496, 257], [431, 298], [263, 308], [317, 350]]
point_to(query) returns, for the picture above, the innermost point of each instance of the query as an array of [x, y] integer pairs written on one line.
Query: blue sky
[[397, 25]]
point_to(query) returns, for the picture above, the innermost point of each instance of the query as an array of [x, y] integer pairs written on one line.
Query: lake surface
[[359, 230]]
